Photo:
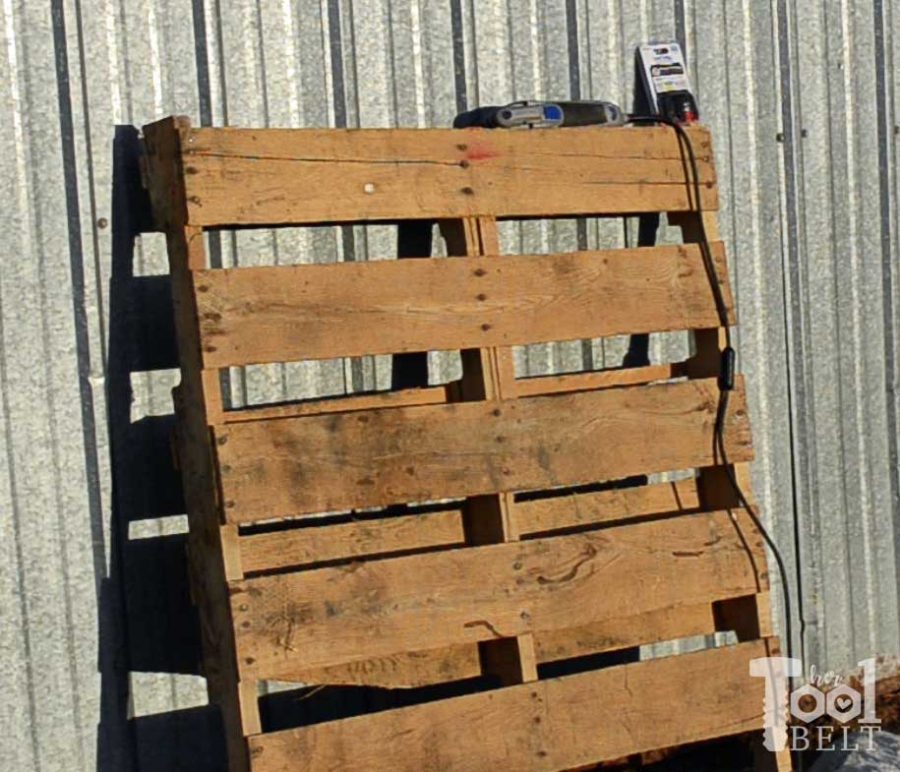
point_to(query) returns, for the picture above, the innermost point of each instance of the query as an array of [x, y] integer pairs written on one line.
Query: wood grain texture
[[292, 466], [428, 618], [396, 671], [162, 174], [617, 633], [377, 608], [287, 313], [555, 724], [562, 383], [255, 177], [321, 544], [582, 509], [489, 374]]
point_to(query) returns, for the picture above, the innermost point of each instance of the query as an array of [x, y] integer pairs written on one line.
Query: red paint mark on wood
[[481, 153]]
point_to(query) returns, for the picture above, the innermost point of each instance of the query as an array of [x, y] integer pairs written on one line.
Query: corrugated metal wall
[[802, 98]]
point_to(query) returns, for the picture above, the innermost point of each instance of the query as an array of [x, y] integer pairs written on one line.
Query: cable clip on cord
[[727, 369]]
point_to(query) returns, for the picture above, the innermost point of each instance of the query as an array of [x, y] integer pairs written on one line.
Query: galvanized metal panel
[[803, 100], [848, 506]]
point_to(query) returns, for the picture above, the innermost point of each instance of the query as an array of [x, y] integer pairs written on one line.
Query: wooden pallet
[[493, 585]]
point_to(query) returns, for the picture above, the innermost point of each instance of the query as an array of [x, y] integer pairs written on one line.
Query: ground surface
[[735, 755], [883, 757]]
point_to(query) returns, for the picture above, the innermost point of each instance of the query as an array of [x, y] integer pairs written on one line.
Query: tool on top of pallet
[[667, 93]]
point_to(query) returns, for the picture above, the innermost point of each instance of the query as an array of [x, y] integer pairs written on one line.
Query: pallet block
[[487, 583]]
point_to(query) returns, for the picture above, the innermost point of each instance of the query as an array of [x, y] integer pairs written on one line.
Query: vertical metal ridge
[[793, 312], [76, 269], [459, 56], [887, 165], [19, 586], [25, 625]]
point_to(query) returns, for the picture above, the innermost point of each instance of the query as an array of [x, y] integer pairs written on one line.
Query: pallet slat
[[249, 177], [321, 544], [618, 633], [396, 671], [538, 385], [553, 513], [298, 312], [327, 616], [349, 403], [554, 724], [292, 466], [455, 663]]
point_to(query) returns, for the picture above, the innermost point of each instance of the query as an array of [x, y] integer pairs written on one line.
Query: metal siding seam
[[887, 160], [792, 311]]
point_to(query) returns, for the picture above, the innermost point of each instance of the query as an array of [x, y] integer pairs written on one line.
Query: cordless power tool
[[542, 115]]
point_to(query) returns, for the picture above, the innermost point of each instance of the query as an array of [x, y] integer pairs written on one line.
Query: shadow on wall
[[146, 621]]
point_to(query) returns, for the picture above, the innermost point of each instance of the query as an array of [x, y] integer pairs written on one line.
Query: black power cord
[[726, 373]]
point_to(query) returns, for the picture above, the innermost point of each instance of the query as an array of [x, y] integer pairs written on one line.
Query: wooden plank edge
[[456, 663], [264, 314], [353, 145], [300, 547], [618, 200], [546, 515], [543, 385], [349, 403]]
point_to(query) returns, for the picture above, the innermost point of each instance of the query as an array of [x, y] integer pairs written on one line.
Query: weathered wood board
[[554, 724], [257, 177], [293, 466], [287, 313]]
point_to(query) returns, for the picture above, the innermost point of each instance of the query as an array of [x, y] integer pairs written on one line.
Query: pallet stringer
[[212, 549], [489, 374]]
